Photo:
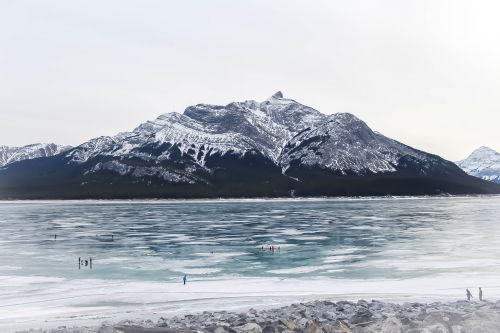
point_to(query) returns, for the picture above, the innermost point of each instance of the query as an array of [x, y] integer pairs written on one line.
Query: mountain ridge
[[10, 154], [271, 148]]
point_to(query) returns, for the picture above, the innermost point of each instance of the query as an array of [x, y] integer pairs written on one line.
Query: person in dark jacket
[[469, 294]]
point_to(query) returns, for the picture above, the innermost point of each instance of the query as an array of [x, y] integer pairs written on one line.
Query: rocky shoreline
[[323, 317]]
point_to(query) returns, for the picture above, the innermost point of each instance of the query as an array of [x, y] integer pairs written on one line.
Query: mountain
[[277, 147], [15, 154], [484, 163]]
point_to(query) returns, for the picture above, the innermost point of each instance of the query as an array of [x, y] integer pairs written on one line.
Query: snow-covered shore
[[322, 317], [42, 303], [50, 304]]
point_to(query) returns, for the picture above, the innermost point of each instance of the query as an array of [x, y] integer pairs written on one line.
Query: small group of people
[[469, 294], [84, 262], [271, 248]]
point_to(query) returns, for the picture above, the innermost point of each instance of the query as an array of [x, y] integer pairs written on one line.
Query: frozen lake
[[385, 248]]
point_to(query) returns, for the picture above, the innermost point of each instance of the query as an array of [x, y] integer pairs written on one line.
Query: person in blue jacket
[[184, 279]]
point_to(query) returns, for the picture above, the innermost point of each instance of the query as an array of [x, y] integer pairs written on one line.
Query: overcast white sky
[[426, 73]]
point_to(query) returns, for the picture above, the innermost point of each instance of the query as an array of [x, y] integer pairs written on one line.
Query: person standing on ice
[[480, 294], [469, 294], [184, 279]]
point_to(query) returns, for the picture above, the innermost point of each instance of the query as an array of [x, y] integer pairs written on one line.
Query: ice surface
[[415, 249]]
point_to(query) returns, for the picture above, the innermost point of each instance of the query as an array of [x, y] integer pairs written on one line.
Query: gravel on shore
[[322, 317]]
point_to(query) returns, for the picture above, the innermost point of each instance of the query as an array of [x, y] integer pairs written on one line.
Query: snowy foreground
[[105, 302], [322, 317]]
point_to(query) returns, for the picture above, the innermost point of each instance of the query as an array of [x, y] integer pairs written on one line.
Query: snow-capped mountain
[[280, 129], [269, 148], [201, 132], [204, 130], [484, 163], [14, 154]]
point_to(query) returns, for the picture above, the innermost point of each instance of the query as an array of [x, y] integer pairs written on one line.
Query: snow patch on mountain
[[10, 155], [141, 171], [484, 163]]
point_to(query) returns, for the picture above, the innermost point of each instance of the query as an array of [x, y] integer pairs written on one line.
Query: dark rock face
[[244, 149]]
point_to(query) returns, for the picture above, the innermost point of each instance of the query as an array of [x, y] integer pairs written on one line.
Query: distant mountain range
[[484, 163], [15, 154], [277, 147]]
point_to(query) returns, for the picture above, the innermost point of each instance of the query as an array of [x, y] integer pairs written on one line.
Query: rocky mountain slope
[[277, 147], [484, 163], [16, 154]]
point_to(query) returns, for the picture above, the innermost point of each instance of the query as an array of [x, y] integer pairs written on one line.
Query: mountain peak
[[484, 163], [277, 95], [344, 117], [348, 120], [483, 153], [484, 149]]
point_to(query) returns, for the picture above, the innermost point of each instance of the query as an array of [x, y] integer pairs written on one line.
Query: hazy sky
[[426, 73]]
